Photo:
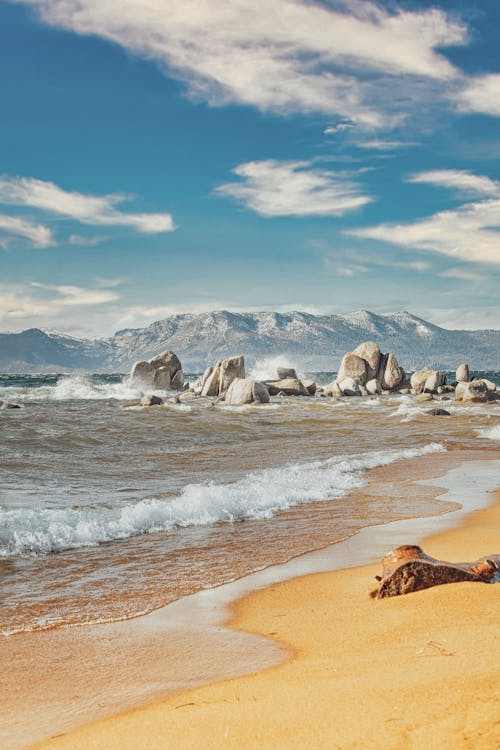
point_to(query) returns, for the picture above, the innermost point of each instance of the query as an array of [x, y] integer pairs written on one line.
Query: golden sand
[[420, 671]]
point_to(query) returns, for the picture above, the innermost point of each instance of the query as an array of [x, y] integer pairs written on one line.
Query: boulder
[[462, 374], [230, 369], [418, 379], [151, 401], [333, 389], [211, 383], [246, 391], [408, 568], [310, 386], [349, 387], [439, 413], [353, 367], [284, 373], [393, 373], [373, 387], [163, 371], [370, 352], [289, 386], [435, 381], [475, 391]]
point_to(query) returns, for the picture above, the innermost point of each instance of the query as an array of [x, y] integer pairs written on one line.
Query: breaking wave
[[493, 433], [259, 495]]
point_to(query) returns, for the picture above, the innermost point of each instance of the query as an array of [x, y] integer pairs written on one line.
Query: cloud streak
[[459, 180], [87, 209], [292, 55], [470, 232], [293, 188], [38, 234]]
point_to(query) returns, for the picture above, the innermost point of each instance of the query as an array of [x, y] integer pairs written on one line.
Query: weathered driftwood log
[[408, 569]]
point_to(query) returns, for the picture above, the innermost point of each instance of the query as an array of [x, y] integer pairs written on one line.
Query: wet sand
[[420, 671]]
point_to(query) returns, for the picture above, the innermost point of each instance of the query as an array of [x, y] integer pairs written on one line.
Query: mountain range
[[310, 342]]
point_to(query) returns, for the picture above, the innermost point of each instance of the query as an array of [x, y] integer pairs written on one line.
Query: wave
[[73, 388], [259, 495], [493, 433]]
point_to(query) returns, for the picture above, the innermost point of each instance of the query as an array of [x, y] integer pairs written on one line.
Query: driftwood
[[408, 569]]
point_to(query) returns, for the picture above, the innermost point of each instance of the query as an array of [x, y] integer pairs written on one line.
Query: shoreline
[[299, 577]]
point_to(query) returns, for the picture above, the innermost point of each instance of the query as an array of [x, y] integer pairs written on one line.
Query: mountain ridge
[[314, 342]]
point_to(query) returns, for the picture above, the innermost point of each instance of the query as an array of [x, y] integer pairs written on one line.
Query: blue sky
[[188, 155]]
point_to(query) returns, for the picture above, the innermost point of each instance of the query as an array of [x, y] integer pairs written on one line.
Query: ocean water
[[107, 512]]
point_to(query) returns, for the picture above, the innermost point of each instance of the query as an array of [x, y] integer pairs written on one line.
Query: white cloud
[[40, 303], [285, 56], [341, 126], [461, 274], [457, 179], [87, 209], [380, 145], [470, 232], [481, 94], [13, 226], [287, 188]]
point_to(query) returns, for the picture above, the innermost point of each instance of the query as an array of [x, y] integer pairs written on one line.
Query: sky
[[168, 156]]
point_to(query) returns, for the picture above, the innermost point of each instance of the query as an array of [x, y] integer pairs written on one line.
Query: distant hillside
[[315, 342]]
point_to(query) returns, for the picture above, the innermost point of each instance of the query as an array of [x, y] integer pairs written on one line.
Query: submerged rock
[[9, 405], [151, 401], [439, 413]]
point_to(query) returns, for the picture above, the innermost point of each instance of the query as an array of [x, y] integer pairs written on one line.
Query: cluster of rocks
[[162, 373], [367, 372]]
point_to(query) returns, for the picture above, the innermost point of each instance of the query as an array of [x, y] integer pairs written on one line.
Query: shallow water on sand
[[107, 512]]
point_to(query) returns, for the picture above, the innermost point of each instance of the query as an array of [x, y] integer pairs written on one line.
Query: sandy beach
[[419, 671]]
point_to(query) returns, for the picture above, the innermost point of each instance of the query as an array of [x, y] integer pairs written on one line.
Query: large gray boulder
[[393, 374], [463, 374], [370, 352], [353, 367], [230, 369], [246, 391], [162, 372], [476, 391], [434, 382], [418, 379]]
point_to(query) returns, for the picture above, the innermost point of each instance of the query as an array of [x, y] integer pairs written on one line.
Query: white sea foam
[[72, 388], [493, 433], [257, 495]]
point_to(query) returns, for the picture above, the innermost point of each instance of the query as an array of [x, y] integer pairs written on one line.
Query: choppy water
[[106, 512]]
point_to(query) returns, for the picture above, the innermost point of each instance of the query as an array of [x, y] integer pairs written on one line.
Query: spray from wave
[[258, 495]]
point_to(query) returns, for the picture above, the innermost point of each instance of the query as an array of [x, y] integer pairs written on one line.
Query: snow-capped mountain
[[314, 342]]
